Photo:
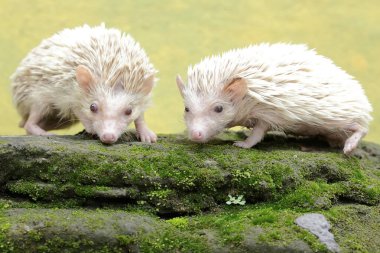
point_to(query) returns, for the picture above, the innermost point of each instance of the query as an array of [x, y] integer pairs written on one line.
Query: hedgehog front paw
[[146, 135], [242, 144], [348, 148]]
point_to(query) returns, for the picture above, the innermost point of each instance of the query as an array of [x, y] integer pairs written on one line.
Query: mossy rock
[[252, 228], [45, 179]]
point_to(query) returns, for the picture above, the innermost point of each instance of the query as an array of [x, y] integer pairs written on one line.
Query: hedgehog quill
[[95, 75], [281, 87]]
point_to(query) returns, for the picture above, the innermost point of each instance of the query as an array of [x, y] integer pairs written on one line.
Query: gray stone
[[318, 225]]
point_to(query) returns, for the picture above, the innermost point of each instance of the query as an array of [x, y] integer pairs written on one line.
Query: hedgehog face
[[206, 117], [107, 111], [108, 115], [207, 114]]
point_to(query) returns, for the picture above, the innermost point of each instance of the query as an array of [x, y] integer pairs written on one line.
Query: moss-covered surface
[[75, 193]]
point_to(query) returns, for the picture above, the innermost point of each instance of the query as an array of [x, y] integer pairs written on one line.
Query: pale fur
[[46, 78], [290, 87]]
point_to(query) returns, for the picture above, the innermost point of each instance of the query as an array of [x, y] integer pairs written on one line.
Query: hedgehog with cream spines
[[281, 87], [96, 75]]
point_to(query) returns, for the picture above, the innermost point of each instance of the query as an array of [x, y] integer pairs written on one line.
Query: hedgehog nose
[[196, 135], [108, 138]]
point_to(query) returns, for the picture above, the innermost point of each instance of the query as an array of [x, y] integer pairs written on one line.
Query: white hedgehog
[[278, 87], [96, 75]]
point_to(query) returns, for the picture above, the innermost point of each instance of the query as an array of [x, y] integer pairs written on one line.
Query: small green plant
[[238, 200]]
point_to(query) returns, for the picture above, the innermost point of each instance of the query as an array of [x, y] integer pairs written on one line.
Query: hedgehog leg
[[143, 132], [255, 137], [22, 122], [31, 125], [353, 141]]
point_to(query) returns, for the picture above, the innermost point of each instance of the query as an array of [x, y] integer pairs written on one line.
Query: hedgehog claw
[[147, 135], [242, 144]]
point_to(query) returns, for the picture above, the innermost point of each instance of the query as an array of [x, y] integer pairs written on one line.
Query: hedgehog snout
[[108, 131], [198, 129], [108, 138], [196, 135]]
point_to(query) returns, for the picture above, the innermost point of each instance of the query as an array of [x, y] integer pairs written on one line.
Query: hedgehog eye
[[218, 108], [94, 108], [187, 109], [128, 112]]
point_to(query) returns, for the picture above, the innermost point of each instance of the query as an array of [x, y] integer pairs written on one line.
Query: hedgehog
[[96, 75], [274, 87]]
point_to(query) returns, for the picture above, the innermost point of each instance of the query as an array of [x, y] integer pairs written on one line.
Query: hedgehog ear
[[236, 89], [147, 85], [84, 77], [180, 84]]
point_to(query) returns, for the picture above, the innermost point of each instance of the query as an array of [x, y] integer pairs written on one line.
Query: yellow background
[[178, 33]]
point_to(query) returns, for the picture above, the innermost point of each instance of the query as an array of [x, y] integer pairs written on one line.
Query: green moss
[[90, 191], [173, 241], [5, 245], [35, 191], [312, 196], [263, 217], [355, 227], [276, 225], [231, 228], [270, 236], [4, 204], [179, 222], [159, 194], [189, 172], [95, 231], [366, 191], [126, 240]]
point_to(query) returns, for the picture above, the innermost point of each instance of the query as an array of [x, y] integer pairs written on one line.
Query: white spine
[[47, 74], [289, 86]]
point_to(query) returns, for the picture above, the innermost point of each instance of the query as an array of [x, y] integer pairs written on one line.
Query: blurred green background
[[178, 33]]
